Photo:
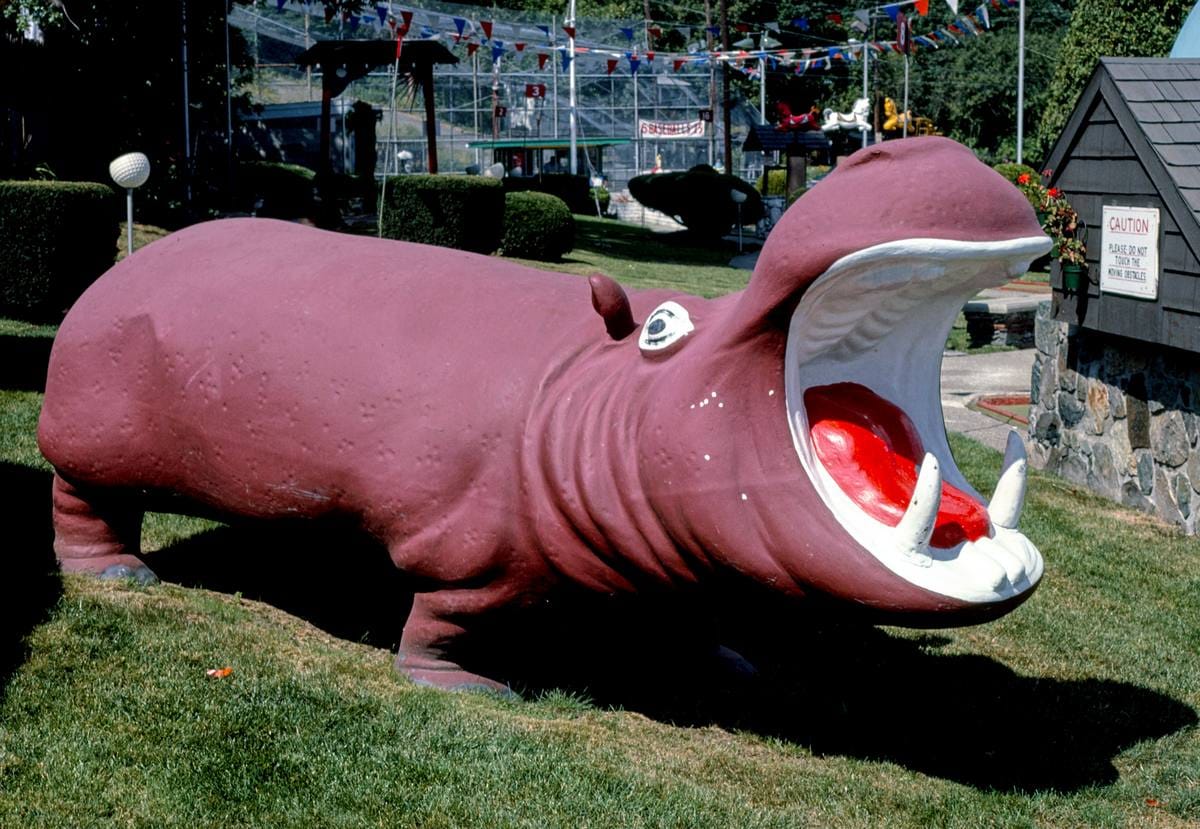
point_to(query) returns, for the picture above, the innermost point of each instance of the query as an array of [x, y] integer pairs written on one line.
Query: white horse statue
[[855, 119]]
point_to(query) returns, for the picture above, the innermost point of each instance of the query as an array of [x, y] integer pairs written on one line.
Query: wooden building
[[1134, 141]]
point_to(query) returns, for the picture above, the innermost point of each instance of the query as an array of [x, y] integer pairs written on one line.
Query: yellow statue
[[895, 121]]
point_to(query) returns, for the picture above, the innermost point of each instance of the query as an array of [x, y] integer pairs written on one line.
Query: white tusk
[[916, 527], [1009, 497]]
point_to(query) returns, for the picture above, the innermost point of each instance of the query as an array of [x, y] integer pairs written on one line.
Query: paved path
[[964, 376]]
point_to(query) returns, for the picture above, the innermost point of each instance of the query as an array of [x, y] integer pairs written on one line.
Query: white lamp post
[[739, 198], [129, 171]]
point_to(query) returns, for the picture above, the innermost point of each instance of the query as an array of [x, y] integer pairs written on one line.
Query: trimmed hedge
[[699, 199], [537, 226], [574, 190], [56, 237], [464, 212], [287, 191]]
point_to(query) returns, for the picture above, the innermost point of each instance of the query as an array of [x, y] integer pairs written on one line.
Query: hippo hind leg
[[98, 532], [428, 645]]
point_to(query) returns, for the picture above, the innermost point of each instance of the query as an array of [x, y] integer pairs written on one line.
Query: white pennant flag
[[953, 4]]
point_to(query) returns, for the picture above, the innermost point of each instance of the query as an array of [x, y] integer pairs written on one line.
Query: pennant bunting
[[545, 30], [982, 14], [922, 7], [472, 48], [834, 18], [801, 23], [649, 57], [382, 11], [497, 51], [612, 65], [460, 23], [407, 18], [570, 30], [520, 47], [279, 4], [678, 63], [715, 31], [566, 60], [486, 25], [354, 23], [628, 32], [634, 63], [953, 4]]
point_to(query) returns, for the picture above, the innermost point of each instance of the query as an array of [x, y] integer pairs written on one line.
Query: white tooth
[[916, 527], [982, 569], [1011, 563], [1009, 497]]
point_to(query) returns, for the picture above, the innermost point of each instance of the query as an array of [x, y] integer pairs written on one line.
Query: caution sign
[[1129, 251]]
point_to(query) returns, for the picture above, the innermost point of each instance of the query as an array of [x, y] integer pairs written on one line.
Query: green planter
[[1072, 277]]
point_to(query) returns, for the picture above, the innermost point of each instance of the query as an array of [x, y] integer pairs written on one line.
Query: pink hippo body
[[504, 441]]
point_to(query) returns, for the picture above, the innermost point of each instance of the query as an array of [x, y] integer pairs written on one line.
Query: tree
[[1112, 28]]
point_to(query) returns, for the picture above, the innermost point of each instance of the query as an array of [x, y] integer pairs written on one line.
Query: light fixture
[[129, 171]]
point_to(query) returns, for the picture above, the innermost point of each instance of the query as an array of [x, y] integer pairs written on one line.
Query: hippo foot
[[439, 673], [110, 568]]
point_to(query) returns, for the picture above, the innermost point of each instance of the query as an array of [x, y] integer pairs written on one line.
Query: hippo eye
[[667, 325]]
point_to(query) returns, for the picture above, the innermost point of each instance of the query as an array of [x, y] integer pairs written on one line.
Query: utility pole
[[712, 84], [1021, 82], [571, 84], [726, 119]]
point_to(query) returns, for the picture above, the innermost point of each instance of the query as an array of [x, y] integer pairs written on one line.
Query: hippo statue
[[509, 433]]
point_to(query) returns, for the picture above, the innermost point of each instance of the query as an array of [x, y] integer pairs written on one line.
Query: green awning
[[545, 143]]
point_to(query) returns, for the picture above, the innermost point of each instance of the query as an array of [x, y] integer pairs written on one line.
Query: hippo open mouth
[[863, 399]]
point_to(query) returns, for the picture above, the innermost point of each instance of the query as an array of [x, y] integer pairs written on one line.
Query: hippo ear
[[665, 328], [611, 303]]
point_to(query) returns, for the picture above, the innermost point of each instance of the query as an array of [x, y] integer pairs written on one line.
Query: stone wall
[[1119, 416]]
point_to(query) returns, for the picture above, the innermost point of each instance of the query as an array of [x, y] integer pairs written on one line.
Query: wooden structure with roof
[[1133, 140], [343, 61]]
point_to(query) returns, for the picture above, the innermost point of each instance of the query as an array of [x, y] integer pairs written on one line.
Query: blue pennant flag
[[634, 63], [497, 50], [354, 23], [545, 30], [801, 23], [279, 4], [566, 60], [892, 12], [460, 24], [628, 32], [382, 12]]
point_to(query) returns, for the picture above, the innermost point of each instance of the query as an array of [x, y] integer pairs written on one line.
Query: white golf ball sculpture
[[130, 170]]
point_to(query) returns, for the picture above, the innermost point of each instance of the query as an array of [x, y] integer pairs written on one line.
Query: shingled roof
[[1156, 102]]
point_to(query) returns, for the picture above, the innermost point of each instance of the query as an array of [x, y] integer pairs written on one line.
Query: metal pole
[[904, 117], [637, 137], [554, 72], [712, 85], [571, 86], [726, 115], [1021, 82], [866, 82], [475, 106], [228, 106], [762, 81], [391, 149], [128, 220], [187, 122]]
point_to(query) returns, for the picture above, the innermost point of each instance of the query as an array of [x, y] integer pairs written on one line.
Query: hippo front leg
[[437, 629], [97, 532]]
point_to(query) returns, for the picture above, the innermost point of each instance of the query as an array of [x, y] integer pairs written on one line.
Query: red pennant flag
[[678, 63], [472, 48], [401, 31], [520, 47], [742, 27], [654, 31], [612, 64], [834, 18], [407, 18], [570, 30], [650, 57], [542, 58], [923, 8], [486, 25]]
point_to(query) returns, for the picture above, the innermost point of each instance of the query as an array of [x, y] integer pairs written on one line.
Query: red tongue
[[871, 449]]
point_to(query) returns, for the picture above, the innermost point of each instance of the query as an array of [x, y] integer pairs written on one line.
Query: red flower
[[1054, 192], [1023, 178]]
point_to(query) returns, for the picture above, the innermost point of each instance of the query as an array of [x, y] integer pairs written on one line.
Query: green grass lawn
[[1079, 709]]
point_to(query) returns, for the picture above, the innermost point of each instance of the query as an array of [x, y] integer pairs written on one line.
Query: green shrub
[[699, 198], [776, 183], [601, 196], [464, 212], [537, 226], [1013, 171], [571, 189], [56, 237], [276, 190]]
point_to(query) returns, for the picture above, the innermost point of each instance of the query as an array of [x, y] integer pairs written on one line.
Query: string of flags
[[543, 41]]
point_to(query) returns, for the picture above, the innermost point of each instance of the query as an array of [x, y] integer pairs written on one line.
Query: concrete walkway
[[965, 376]]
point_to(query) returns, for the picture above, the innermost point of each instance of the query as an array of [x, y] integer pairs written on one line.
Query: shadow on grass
[[621, 241], [31, 585], [835, 687], [24, 365]]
